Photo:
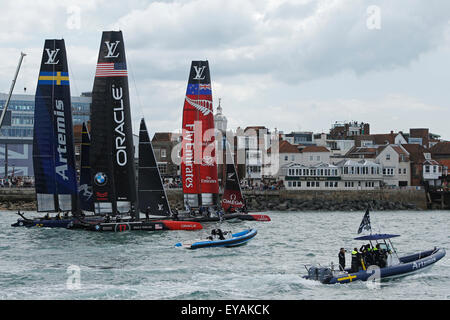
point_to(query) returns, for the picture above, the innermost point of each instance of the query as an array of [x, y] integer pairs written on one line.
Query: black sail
[[112, 150], [152, 196], [85, 188], [53, 146]]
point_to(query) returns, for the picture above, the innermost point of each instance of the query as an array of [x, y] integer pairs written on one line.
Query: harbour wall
[[280, 200]]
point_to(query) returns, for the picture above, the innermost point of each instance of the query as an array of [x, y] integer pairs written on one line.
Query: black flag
[[365, 223]]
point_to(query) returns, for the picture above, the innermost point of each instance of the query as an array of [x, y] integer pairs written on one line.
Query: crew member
[[341, 257], [147, 213], [355, 260], [220, 234], [175, 214]]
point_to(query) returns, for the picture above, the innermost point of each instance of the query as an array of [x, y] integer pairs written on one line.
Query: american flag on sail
[[118, 69]]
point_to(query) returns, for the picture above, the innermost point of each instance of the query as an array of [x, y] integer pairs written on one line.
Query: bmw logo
[[100, 179]]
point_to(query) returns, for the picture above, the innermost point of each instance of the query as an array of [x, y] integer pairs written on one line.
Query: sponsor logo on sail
[[85, 191], [62, 168], [188, 138], [52, 54], [112, 47], [232, 201], [100, 179], [119, 119], [202, 105], [199, 72]]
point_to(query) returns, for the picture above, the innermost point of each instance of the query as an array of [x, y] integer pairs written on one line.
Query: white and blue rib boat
[[236, 239]]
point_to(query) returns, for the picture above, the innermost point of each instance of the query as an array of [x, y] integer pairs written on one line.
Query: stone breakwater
[[279, 200]]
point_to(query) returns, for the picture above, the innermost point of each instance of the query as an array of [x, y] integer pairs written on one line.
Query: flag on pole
[[365, 223]]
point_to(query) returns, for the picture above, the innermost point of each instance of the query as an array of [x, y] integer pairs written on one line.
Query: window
[[292, 157], [318, 158], [163, 153], [404, 170], [427, 169], [388, 157], [162, 168], [286, 158]]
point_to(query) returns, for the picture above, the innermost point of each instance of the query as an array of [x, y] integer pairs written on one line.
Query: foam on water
[[146, 265]]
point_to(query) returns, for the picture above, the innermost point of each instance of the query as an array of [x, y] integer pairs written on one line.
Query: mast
[[85, 188], [151, 191], [112, 151], [5, 108], [198, 154], [53, 146]]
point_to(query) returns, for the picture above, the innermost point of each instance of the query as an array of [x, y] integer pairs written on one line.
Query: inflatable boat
[[407, 265], [230, 240], [390, 266]]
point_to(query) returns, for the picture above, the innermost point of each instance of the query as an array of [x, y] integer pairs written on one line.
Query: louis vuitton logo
[[199, 73], [52, 56], [112, 47]]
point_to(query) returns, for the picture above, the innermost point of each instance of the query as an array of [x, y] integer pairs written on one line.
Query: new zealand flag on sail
[[365, 223]]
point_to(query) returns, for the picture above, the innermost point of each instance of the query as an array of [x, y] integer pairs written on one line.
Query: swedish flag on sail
[[54, 78]]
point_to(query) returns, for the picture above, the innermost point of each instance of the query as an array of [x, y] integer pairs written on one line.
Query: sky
[[292, 65]]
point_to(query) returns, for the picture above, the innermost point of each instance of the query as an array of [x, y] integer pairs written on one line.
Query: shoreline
[[12, 199]]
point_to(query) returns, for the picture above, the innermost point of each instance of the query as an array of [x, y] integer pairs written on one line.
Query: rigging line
[[135, 88], [74, 78]]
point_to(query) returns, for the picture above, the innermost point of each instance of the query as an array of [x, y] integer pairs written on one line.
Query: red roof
[[285, 147], [315, 149]]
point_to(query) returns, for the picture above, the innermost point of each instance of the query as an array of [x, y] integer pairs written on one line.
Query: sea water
[[44, 263]]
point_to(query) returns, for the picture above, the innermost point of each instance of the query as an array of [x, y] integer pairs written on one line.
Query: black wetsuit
[[341, 256]]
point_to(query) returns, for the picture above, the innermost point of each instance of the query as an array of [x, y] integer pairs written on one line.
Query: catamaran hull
[[52, 223], [408, 265], [144, 226], [254, 217], [228, 216]]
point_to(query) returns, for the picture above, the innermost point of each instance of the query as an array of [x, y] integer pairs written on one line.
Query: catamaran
[[233, 200], [111, 157], [53, 147], [198, 151]]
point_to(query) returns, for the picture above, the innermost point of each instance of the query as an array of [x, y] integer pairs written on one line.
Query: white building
[[394, 160]]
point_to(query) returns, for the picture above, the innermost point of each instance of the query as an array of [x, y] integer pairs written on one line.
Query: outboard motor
[[322, 274]]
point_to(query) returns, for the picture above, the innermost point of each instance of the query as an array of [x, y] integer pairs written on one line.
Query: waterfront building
[[380, 139], [16, 134], [395, 162], [299, 137], [337, 147], [253, 142], [342, 130], [345, 175], [164, 144]]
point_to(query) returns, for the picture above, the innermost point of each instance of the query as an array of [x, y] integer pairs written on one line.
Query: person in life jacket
[[356, 258], [376, 254]]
